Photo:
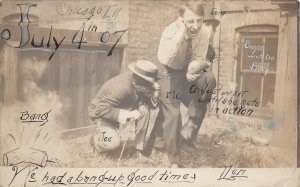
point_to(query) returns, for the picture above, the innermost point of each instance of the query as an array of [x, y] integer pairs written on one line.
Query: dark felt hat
[[209, 17]]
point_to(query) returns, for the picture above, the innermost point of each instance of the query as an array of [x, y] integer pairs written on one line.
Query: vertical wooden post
[[216, 66], [216, 42], [298, 98], [10, 74], [285, 110]]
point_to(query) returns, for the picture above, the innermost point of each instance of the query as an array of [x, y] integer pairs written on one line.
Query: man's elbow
[[91, 115], [162, 58], [94, 112]]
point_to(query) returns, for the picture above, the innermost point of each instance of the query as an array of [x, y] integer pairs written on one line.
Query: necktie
[[189, 48]]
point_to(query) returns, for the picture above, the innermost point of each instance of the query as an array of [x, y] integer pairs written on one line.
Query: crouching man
[[130, 96]]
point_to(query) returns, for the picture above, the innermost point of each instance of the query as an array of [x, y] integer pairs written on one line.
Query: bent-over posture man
[[130, 96]]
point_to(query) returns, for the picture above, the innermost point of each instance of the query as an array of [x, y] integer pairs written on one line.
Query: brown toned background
[[75, 76]]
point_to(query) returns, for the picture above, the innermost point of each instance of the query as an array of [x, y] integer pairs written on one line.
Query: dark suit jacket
[[117, 93]]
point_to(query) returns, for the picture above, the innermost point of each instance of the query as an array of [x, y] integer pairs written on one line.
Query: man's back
[[117, 93]]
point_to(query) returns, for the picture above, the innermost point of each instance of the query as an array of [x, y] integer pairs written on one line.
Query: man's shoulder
[[172, 25], [170, 30], [204, 32], [120, 80], [124, 75]]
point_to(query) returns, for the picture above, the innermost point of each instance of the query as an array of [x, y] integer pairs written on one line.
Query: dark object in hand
[[210, 56]]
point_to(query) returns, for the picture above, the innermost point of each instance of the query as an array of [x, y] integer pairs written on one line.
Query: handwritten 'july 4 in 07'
[[25, 34]]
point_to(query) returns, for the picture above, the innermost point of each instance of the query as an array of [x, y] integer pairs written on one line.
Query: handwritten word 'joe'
[[25, 34]]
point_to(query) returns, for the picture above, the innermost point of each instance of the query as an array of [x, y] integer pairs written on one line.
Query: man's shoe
[[192, 144], [175, 165], [141, 156], [158, 151], [145, 159]]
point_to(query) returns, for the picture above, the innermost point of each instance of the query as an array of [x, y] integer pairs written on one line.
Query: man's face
[[193, 23]]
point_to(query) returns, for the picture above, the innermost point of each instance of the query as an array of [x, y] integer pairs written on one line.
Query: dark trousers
[[145, 129], [175, 89]]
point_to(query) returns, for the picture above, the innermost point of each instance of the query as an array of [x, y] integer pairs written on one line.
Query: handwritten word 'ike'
[[25, 34], [231, 174]]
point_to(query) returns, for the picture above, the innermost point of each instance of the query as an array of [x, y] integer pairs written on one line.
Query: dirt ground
[[218, 144]]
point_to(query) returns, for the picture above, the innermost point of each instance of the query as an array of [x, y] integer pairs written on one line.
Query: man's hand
[[134, 115], [156, 86], [157, 90], [191, 77], [208, 62]]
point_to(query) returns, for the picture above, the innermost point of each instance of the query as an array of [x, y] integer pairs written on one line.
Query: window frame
[[255, 31]]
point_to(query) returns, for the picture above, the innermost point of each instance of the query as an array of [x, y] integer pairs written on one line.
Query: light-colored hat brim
[[150, 79]]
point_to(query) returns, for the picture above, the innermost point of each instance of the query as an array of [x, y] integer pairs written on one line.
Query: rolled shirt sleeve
[[170, 46], [173, 44], [123, 116]]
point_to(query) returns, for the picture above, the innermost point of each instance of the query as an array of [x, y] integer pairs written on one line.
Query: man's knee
[[107, 139]]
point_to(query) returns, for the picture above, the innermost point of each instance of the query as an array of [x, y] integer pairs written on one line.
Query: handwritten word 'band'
[[34, 118]]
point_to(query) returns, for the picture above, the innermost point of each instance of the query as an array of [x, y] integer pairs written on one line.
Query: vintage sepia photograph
[[148, 84]]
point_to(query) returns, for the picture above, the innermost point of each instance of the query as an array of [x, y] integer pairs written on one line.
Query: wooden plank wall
[[10, 78], [75, 75]]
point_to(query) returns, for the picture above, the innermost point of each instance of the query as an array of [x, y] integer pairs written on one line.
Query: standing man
[[211, 23], [182, 44], [130, 96]]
